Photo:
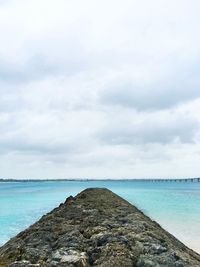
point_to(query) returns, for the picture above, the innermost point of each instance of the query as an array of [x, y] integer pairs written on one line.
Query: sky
[[99, 89]]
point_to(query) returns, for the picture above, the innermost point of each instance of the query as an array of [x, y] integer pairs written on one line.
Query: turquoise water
[[174, 205]]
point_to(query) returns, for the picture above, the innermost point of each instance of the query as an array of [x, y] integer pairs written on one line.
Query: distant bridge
[[195, 180]]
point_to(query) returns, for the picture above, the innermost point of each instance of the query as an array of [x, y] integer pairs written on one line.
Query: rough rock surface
[[96, 228]]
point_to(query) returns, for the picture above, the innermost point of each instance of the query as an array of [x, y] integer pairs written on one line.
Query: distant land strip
[[196, 179]]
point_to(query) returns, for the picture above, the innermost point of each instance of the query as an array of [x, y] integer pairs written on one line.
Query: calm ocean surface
[[174, 205]]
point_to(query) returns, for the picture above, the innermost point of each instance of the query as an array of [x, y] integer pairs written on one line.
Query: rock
[[146, 263], [96, 228], [71, 257], [24, 264]]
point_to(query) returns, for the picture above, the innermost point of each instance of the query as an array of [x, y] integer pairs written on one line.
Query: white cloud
[[142, 128], [99, 88]]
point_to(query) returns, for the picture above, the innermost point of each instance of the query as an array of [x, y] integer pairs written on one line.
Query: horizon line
[[96, 179]]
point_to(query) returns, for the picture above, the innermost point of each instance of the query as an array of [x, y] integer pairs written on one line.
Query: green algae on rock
[[96, 228]]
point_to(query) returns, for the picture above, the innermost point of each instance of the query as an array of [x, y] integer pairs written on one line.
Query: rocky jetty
[[96, 228]]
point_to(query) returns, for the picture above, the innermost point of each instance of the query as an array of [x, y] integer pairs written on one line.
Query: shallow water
[[174, 205]]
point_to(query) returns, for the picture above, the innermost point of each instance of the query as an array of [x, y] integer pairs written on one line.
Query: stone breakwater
[[96, 228]]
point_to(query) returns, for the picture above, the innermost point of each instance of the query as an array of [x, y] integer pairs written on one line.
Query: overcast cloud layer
[[99, 89]]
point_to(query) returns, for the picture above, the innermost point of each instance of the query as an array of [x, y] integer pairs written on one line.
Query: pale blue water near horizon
[[174, 205]]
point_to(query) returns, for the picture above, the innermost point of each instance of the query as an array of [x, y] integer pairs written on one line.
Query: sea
[[174, 205]]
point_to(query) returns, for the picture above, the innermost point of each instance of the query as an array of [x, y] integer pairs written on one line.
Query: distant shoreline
[[196, 179]]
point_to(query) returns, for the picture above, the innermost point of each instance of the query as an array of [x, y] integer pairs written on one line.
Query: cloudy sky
[[99, 89]]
